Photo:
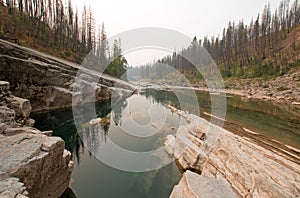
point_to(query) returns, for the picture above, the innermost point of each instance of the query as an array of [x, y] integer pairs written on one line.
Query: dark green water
[[93, 178], [278, 122]]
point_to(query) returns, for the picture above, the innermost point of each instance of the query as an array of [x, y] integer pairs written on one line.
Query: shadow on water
[[68, 194]]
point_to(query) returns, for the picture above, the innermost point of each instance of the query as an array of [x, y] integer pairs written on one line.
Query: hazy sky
[[192, 17]]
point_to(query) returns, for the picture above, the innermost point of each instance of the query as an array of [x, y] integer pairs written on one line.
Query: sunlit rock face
[[49, 83], [193, 185], [31, 163], [236, 166]]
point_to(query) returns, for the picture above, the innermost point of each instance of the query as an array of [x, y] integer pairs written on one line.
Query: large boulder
[[193, 185], [39, 161], [14, 111]]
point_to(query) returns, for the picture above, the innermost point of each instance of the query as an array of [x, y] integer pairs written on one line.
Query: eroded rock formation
[[49, 82], [31, 163], [230, 163], [193, 185]]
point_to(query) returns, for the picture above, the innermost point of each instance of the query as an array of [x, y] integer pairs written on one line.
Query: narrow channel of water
[[274, 121], [93, 178], [138, 124]]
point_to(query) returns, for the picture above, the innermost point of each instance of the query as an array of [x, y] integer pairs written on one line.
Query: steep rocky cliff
[[31, 163], [48, 82], [228, 165]]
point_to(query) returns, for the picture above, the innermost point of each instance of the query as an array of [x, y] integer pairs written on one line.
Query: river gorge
[[253, 150], [269, 125]]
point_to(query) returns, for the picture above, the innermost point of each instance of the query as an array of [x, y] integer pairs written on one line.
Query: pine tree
[[83, 29], [103, 51]]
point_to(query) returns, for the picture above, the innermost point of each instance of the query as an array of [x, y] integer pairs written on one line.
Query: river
[[140, 124]]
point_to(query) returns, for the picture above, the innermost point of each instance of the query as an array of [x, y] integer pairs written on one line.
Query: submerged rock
[[95, 121]]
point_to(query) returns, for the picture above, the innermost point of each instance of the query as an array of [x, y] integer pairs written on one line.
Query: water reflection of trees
[[93, 136], [88, 136], [62, 124], [161, 96], [117, 111]]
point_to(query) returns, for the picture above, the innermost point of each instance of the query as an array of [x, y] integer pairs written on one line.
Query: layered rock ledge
[[227, 165], [31, 163], [49, 82]]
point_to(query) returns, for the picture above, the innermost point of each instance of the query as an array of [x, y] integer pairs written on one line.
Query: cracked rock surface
[[31, 163], [50, 83], [227, 165]]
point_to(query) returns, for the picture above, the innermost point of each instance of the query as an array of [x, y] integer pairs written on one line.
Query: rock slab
[[230, 163], [32, 164], [193, 185], [50, 83]]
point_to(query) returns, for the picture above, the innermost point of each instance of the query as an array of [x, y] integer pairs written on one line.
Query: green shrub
[[282, 88], [68, 53]]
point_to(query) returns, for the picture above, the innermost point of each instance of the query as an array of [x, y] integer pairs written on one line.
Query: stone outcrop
[[49, 82], [230, 163], [193, 185], [31, 163]]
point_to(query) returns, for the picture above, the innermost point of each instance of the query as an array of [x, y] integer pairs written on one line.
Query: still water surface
[[141, 123]]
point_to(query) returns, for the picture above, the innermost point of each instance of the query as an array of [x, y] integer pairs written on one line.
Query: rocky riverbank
[[50, 83], [282, 89], [32, 164], [221, 164]]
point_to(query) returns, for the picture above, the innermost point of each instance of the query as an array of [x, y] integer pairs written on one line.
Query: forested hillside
[[55, 28], [268, 46]]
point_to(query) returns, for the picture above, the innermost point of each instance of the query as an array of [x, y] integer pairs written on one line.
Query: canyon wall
[[49, 82], [32, 164]]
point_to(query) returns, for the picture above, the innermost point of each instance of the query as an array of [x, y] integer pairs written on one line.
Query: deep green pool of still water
[[140, 124]]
